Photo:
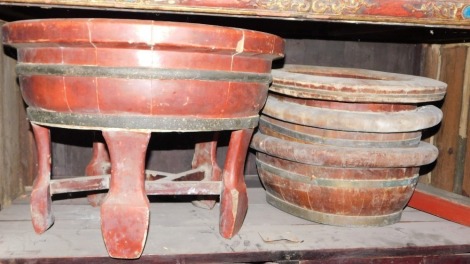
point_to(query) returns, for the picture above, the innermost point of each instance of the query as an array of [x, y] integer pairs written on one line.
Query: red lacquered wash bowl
[[132, 67]]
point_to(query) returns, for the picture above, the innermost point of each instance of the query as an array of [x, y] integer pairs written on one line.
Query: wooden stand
[[126, 78], [125, 209]]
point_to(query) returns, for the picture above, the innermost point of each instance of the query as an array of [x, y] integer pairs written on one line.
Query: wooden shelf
[[179, 231]]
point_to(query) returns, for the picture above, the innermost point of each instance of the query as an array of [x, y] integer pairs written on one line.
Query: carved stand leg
[[125, 210], [205, 156], [41, 213], [99, 165], [234, 200]]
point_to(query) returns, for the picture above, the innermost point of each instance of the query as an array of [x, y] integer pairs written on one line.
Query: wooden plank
[[444, 204], [454, 13], [28, 157], [158, 187], [451, 64], [463, 152], [461, 258], [15, 140], [388, 57], [71, 151], [465, 130], [447, 139], [431, 68], [177, 229]]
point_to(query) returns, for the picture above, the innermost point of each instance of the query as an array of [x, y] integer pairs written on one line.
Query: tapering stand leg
[[41, 213], [125, 210], [205, 156], [99, 165], [234, 200]]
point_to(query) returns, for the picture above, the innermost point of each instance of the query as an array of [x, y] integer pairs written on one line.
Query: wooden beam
[[447, 205], [158, 187], [451, 13]]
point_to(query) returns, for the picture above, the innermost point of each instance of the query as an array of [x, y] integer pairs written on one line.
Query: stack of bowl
[[343, 146]]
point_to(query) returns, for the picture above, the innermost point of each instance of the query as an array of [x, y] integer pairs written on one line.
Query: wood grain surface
[[448, 64], [455, 13], [16, 141], [177, 230]]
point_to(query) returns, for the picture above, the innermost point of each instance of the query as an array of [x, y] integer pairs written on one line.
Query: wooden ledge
[[452, 13]]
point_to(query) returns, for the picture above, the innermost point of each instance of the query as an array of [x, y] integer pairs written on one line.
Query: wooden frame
[[453, 13], [447, 205]]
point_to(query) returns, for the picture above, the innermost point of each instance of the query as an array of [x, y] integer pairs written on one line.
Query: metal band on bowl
[[140, 73], [310, 138], [337, 183], [138, 122], [332, 219]]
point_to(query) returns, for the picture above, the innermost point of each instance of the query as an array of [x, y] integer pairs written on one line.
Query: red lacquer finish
[[128, 78], [125, 210], [205, 158], [100, 164], [131, 43], [234, 200], [441, 203], [41, 213]]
